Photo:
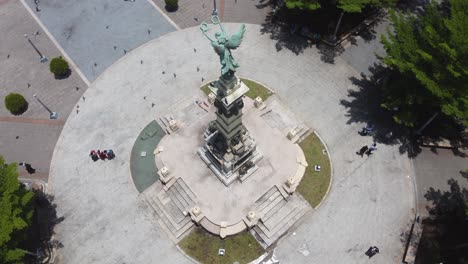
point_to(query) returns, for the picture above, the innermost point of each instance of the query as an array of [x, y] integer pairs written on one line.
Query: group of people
[[103, 155], [367, 149]]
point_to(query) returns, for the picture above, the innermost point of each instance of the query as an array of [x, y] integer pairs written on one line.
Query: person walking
[[372, 251], [371, 149], [362, 150], [28, 167]]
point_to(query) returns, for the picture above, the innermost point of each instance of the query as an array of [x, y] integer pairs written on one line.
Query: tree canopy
[[15, 213], [429, 58]]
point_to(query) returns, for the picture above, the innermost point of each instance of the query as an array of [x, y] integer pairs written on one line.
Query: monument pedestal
[[230, 150]]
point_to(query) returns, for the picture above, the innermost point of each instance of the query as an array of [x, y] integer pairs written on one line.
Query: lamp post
[[215, 10], [334, 37], [43, 59], [53, 115]]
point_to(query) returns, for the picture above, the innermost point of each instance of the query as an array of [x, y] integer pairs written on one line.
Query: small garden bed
[[314, 184], [256, 89], [204, 247]]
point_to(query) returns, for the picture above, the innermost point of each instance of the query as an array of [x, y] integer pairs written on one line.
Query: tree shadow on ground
[[329, 53], [41, 231], [283, 34], [464, 174], [364, 106], [297, 30], [63, 76], [444, 238]]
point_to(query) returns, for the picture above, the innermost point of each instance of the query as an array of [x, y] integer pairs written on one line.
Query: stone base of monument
[[228, 173], [262, 199]]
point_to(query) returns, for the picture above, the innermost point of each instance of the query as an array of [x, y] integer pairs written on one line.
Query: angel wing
[[218, 48], [236, 39]]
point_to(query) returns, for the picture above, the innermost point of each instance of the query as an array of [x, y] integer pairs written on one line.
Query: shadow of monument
[[364, 106], [444, 238]]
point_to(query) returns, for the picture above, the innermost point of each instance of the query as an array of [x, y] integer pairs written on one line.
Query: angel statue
[[223, 44]]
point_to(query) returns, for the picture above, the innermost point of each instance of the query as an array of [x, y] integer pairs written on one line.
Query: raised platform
[[221, 205]]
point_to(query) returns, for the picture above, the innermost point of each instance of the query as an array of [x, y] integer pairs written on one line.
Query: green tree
[[348, 6], [15, 103], [59, 66], [429, 58], [302, 4], [15, 213]]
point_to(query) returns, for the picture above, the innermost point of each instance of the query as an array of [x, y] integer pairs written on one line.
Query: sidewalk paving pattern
[[95, 34], [371, 201], [21, 72], [189, 11]]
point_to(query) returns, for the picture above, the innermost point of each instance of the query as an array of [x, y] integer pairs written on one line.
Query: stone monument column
[[229, 150]]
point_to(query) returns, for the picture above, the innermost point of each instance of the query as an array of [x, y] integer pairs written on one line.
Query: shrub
[[59, 66], [15, 103], [172, 4]]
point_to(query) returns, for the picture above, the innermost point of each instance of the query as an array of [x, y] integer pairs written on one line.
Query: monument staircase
[[278, 212], [172, 206]]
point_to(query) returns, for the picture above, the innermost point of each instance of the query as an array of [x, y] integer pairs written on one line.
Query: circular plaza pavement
[[371, 200]]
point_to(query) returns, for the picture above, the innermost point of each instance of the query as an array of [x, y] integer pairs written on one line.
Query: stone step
[[186, 195], [304, 135], [274, 210], [186, 189], [266, 199], [175, 220], [177, 199], [175, 227], [176, 234], [270, 237], [170, 227], [287, 212], [262, 238], [277, 198], [283, 225], [265, 196], [169, 215]]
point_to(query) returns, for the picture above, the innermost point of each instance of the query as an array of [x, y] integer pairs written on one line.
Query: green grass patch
[[314, 185], [205, 89], [203, 247], [256, 89]]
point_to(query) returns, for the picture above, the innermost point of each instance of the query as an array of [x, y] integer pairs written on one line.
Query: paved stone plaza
[[141, 64], [371, 199]]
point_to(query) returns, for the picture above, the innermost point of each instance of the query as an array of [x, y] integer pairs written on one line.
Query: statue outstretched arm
[[204, 29]]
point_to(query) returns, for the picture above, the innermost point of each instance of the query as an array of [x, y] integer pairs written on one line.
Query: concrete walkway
[[31, 136], [97, 33], [106, 221]]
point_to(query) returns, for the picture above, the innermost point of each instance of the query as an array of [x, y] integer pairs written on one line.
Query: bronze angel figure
[[223, 44]]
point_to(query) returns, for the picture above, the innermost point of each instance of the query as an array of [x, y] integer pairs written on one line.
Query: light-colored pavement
[[21, 72], [434, 168], [97, 33], [370, 202]]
